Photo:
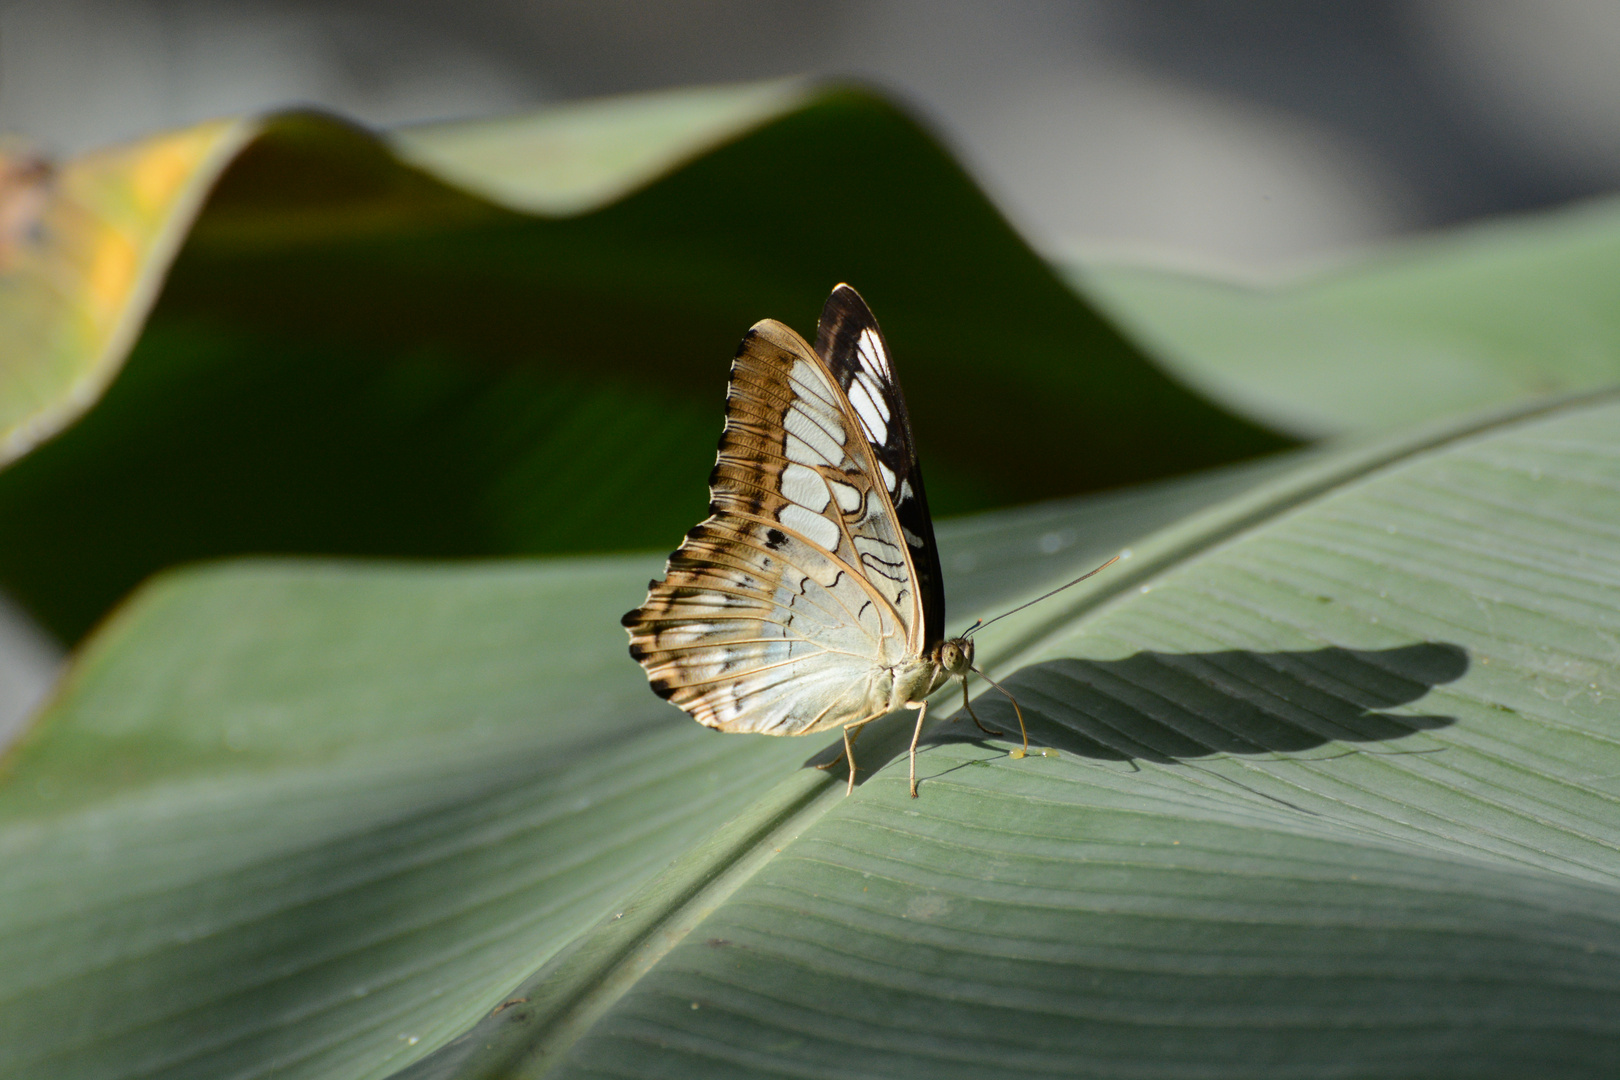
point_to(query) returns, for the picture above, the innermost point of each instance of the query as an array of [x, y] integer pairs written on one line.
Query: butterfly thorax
[[914, 680]]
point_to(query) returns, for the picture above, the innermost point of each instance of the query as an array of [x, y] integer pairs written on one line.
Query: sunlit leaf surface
[[1490, 314], [579, 157], [77, 242], [1332, 794]]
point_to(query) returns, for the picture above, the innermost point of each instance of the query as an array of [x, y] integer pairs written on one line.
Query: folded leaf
[[351, 355]]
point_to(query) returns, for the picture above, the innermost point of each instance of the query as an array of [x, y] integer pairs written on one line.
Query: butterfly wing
[[788, 608], [852, 348]]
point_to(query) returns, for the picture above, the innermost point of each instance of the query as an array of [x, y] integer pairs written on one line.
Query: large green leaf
[[311, 819], [1333, 796], [352, 355], [1481, 316]]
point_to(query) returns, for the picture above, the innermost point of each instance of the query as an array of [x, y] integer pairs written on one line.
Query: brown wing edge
[[642, 621], [687, 573]]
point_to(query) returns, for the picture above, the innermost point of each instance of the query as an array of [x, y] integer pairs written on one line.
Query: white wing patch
[[813, 422], [809, 524], [869, 407], [870, 350], [806, 487]]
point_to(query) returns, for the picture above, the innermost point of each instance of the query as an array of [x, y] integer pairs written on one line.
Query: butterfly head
[[954, 655]]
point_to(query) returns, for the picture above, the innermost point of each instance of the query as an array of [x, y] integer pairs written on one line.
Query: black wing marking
[[851, 345]]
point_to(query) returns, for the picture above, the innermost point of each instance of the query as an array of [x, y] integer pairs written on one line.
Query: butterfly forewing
[[852, 347], [785, 611]]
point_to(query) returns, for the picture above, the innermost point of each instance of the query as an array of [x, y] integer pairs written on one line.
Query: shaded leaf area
[[352, 358], [311, 820], [1333, 796], [1481, 316], [1234, 702]]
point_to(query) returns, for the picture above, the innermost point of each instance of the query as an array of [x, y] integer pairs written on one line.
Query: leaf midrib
[[1206, 529], [571, 993]]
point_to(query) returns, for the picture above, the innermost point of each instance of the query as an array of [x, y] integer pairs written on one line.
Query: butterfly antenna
[[1016, 710], [981, 624]]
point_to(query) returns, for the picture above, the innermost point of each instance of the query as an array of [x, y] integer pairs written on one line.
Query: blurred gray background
[[1250, 135], [1252, 138]]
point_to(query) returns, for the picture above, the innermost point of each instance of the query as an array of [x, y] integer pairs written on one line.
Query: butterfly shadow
[[1174, 707]]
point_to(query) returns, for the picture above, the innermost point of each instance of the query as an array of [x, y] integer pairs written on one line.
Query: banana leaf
[[287, 335], [1322, 783]]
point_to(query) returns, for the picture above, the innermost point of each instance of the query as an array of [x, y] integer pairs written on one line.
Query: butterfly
[[812, 596]]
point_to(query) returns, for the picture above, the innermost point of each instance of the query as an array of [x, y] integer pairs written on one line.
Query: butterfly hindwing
[[787, 609], [852, 348]]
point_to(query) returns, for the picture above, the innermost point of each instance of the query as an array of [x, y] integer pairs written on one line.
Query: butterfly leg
[[969, 707], [1016, 710], [849, 741], [849, 752], [922, 711]]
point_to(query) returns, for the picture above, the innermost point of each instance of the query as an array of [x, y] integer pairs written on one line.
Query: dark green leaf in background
[[349, 357]]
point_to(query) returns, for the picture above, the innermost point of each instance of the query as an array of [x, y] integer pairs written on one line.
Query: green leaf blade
[[1090, 940], [285, 842], [1293, 828], [1479, 317], [285, 817]]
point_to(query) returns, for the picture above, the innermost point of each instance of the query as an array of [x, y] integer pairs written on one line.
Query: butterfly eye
[[955, 656]]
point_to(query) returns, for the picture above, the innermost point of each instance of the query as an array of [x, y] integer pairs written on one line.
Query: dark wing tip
[[631, 619], [843, 317], [663, 689], [843, 303]]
